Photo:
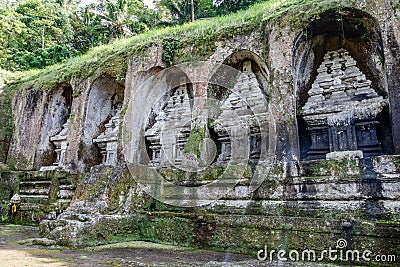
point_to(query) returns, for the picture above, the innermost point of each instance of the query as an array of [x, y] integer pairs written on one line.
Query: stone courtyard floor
[[18, 248]]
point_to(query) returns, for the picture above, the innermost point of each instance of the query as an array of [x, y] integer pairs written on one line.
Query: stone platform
[[356, 200]]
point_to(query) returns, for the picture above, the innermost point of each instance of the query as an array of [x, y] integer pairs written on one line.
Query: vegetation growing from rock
[[35, 34], [199, 37], [297, 203], [195, 142], [6, 122]]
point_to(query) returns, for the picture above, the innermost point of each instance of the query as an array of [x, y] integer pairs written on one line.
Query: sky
[[148, 3]]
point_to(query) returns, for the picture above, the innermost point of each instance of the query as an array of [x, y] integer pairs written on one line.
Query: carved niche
[[245, 104], [108, 141], [167, 137], [171, 129], [342, 109], [60, 143]]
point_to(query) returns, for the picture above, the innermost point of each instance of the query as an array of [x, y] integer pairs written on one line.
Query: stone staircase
[[35, 191], [44, 192]]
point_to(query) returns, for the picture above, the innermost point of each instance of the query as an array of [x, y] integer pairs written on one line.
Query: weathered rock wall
[[55, 114], [28, 114], [343, 198], [41, 115], [285, 51]]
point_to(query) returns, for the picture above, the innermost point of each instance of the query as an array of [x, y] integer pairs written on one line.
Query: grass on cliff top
[[112, 59], [7, 77]]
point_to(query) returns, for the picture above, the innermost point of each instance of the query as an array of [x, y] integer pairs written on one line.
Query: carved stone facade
[[108, 141], [60, 143], [244, 106], [169, 134], [342, 109], [342, 113], [242, 114]]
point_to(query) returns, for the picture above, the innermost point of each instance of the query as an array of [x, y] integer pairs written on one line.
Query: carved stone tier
[[243, 115], [61, 144], [169, 134], [153, 136], [108, 141], [244, 107], [342, 108]]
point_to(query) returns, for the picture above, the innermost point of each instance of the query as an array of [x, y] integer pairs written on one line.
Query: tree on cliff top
[[39, 33], [180, 11]]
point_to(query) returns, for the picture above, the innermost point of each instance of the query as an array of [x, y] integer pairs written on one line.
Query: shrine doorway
[[340, 85]]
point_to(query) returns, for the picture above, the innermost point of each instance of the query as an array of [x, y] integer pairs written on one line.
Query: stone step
[[67, 187], [304, 188], [64, 201], [30, 206], [30, 183], [252, 232], [386, 166], [34, 188], [34, 196], [35, 191], [36, 176], [65, 194], [36, 199]]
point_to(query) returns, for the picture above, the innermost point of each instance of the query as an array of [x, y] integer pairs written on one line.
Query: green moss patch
[[179, 176], [195, 142], [334, 168]]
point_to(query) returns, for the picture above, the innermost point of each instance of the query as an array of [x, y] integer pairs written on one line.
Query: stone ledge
[[233, 233], [332, 168]]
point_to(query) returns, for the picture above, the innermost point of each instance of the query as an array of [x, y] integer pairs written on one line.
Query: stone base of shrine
[[357, 154]]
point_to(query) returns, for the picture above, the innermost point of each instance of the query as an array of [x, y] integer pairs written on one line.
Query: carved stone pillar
[[60, 143], [181, 140], [223, 137], [153, 136], [108, 141], [169, 135]]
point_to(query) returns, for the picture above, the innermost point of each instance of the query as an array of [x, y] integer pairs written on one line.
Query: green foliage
[[38, 33], [4, 219], [88, 31], [115, 17], [180, 11], [10, 28], [195, 142], [41, 58], [199, 36], [169, 46], [6, 122], [229, 6]]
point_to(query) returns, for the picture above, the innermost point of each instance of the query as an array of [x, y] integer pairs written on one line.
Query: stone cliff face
[[323, 143], [288, 59], [44, 115]]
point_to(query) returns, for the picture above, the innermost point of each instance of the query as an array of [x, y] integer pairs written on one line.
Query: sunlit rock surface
[[313, 115]]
